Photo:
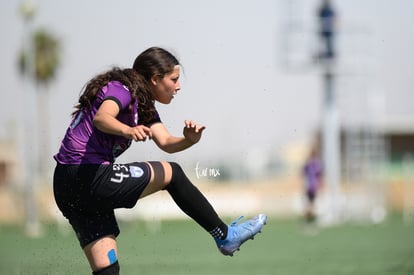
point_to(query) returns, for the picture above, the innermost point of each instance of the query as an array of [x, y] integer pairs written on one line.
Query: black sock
[[113, 269], [192, 202]]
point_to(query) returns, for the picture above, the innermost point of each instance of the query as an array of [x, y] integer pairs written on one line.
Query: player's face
[[164, 89]]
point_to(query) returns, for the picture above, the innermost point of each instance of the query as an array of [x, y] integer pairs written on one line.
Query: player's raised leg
[[171, 177]]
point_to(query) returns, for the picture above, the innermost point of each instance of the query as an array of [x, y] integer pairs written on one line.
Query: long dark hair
[[152, 62]]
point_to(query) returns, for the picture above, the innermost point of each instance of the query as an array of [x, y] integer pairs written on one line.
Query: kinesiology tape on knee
[[191, 200], [113, 269]]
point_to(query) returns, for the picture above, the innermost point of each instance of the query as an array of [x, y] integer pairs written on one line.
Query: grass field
[[181, 247]]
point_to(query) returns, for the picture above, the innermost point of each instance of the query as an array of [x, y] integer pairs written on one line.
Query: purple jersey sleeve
[[117, 92]]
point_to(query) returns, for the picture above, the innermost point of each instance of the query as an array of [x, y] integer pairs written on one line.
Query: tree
[[46, 57]]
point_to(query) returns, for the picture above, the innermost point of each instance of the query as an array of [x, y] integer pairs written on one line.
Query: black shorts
[[311, 195], [87, 195]]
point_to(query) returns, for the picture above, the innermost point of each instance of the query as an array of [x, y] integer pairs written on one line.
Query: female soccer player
[[115, 108], [313, 174]]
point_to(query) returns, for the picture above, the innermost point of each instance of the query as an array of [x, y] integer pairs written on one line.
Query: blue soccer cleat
[[239, 233]]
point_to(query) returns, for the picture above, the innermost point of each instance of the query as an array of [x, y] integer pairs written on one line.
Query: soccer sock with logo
[[192, 202]]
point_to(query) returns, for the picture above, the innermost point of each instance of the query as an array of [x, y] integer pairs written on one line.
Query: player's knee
[[177, 174], [176, 168], [113, 269]]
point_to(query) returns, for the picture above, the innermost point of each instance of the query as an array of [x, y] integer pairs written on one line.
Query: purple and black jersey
[[313, 174], [85, 144]]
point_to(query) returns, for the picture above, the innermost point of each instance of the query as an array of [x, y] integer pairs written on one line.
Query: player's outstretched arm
[[171, 144]]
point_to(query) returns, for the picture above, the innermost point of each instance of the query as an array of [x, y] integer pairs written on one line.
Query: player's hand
[[192, 131], [139, 133]]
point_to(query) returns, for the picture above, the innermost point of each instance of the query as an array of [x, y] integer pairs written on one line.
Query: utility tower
[[354, 150]]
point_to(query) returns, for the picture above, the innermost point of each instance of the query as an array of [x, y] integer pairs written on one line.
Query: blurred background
[[271, 80]]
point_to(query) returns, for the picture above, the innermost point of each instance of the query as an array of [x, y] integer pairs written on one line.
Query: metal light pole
[[32, 226], [331, 129], [331, 142]]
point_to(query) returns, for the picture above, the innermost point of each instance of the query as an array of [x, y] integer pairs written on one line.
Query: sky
[[234, 80]]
